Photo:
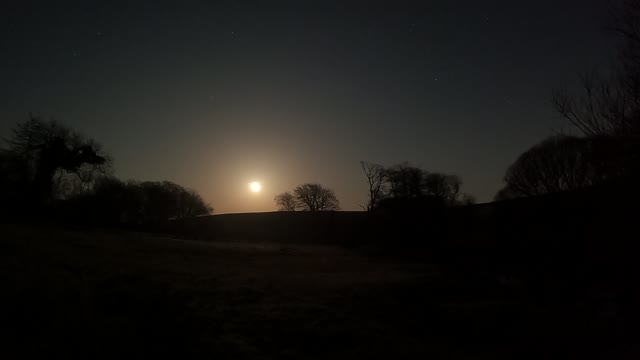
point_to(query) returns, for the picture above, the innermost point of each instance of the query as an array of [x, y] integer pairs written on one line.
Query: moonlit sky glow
[[215, 94]]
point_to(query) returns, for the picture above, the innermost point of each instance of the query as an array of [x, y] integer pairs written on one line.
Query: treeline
[[114, 202], [400, 187], [49, 170]]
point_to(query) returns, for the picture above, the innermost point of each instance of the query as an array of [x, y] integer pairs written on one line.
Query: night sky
[[213, 95]]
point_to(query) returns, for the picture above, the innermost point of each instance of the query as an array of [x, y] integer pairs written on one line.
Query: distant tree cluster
[[606, 114], [402, 182], [308, 197], [117, 202], [48, 165]]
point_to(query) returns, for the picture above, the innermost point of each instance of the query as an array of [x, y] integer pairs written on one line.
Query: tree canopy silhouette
[[308, 197], [315, 197], [564, 163], [403, 181], [112, 201], [49, 148], [286, 202], [50, 167]]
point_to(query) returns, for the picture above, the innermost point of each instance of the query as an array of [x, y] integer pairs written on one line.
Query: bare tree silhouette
[[314, 197], [603, 109], [610, 105], [376, 180], [286, 201]]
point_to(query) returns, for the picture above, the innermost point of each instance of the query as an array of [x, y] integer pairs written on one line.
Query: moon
[[255, 187]]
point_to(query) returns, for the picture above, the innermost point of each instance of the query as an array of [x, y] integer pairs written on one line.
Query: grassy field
[[99, 294]]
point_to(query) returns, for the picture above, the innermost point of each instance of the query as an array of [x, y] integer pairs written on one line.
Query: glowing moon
[[255, 187]]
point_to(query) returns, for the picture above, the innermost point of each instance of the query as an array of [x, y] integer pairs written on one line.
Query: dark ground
[[105, 294]]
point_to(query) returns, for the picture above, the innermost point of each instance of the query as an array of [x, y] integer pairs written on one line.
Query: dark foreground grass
[[109, 295]]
